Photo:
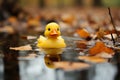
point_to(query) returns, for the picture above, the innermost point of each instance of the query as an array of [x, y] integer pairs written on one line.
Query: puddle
[[34, 64]]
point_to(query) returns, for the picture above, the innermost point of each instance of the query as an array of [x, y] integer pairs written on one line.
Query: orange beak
[[53, 33]]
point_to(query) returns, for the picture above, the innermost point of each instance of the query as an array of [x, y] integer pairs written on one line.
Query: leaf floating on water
[[100, 47], [68, 66], [31, 37], [104, 55], [22, 48], [7, 29], [28, 37], [82, 44], [92, 59], [83, 33]]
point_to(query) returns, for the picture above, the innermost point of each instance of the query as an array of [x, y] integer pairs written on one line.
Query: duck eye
[[48, 29], [58, 29]]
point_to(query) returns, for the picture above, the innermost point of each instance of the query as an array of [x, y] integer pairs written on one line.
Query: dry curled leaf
[[33, 22], [83, 33], [67, 18], [100, 33], [7, 29], [12, 19], [99, 48], [22, 48]]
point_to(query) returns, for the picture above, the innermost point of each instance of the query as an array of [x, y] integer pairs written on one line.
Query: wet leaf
[[28, 37], [83, 33], [31, 37], [99, 48], [104, 55], [71, 65], [7, 29], [81, 44], [22, 48], [92, 59]]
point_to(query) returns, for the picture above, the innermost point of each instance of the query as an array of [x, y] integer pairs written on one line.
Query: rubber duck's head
[[52, 30]]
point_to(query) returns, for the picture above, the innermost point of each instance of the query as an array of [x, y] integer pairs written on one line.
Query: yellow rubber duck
[[52, 43]]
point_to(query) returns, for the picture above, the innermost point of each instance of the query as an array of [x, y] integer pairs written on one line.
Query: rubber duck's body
[[52, 43]]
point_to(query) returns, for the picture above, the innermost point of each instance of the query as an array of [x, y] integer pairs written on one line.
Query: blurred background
[[22, 21]]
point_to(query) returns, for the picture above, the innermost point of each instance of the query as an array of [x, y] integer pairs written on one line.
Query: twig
[[113, 39], [113, 22]]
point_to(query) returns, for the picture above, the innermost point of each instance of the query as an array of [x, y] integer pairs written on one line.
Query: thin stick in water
[[113, 22]]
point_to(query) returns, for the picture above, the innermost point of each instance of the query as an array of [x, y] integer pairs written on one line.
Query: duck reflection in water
[[50, 59]]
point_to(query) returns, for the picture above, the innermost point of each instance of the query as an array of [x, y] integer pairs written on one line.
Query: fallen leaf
[[33, 22], [8, 29], [99, 48], [67, 18], [100, 34], [22, 48], [83, 33], [31, 37], [81, 44], [109, 36], [68, 66], [12, 19], [104, 55], [92, 59]]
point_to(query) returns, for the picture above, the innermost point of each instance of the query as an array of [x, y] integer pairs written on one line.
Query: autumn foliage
[[99, 48], [83, 33]]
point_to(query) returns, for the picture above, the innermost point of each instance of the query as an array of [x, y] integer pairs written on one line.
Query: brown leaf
[[83, 33], [81, 44], [12, 19], [92, 59], [7, 29], [70, 66], [22, 48], [99, 48], [28, 37], [100, 33]]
